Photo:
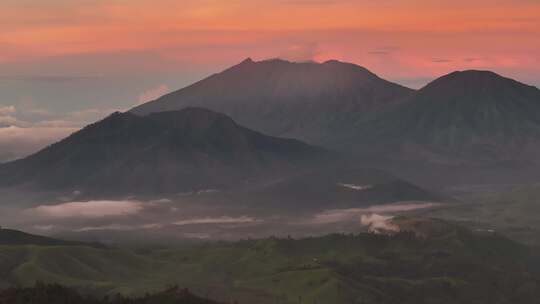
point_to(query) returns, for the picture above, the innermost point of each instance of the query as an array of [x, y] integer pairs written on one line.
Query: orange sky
[[409, 41], [31, 29], [65, 63]]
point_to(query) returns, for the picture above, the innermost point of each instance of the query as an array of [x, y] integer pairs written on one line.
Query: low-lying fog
[[187, 217]]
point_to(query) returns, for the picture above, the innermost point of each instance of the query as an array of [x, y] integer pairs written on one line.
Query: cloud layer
[[25, 130]]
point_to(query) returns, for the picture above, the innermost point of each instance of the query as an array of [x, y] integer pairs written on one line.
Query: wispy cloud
[[217, 220], [119, 227], [378, 223], [21, 141], [89, 209], [301, 52], [400, 207], [26, 129], [384, 50], [441, 60], [356, 187], [472, 59]]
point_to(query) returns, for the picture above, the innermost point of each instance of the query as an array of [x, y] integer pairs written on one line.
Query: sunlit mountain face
[[296, 151]]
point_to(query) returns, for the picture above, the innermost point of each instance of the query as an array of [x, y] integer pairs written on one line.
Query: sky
[[66, 63]]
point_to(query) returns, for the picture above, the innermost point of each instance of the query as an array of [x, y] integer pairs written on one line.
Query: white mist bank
[[124, 215], [378, 223], [352, 214]]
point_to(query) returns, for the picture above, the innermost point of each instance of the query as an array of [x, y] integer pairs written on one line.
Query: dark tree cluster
[[57, 294]]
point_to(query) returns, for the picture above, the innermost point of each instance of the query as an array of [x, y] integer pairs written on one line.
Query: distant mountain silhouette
[[473, 115], [308, 101], [174, 151]]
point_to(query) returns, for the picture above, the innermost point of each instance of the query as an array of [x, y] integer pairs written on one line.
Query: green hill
[[431, 262]]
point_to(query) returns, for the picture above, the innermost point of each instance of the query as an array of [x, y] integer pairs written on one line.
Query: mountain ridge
[[473, 115], [169, 151], [301, 100], [468, 115]]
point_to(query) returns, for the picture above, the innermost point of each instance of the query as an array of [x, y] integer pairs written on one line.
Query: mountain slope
[[476, 115], [338, 187], [308, 101], [176, 151]]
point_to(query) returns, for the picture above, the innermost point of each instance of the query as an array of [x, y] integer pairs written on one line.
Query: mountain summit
[[309, 101], [165, 152], [476, 114], [477, 86]]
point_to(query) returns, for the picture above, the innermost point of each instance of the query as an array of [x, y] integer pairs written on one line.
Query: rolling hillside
[[430, 260]]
